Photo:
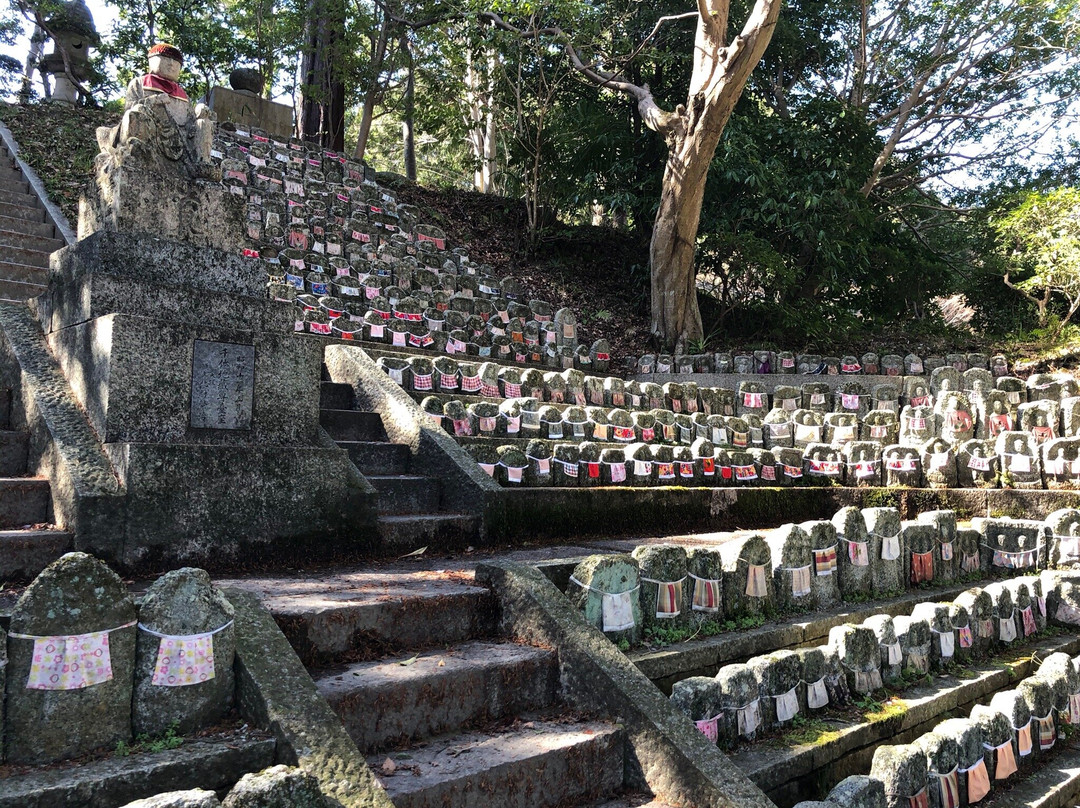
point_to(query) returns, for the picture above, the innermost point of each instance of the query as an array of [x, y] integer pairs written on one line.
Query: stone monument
[[205, 402], [74, 33], [244, 106]]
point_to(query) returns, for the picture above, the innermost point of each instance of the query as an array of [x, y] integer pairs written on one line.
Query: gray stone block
[[915, 638], [665, 586], [996, 728], [860, 656], [111, 273], [704, 566], [610, 575], [792, 556], [942, 757], [979, 606], [858, 791], [75, 595], [698, 697], [741, 703], [248, 110], [180, 604], [146, 203], [748, 581], [890, 651], [888, 575], [902, 771], [195, 798], [854, 555], [968, 737], [825, 588], [277, 787], [109, 362]]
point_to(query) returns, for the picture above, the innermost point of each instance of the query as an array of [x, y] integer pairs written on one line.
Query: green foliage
[[146, 743], [1040, 241], [807, 730]]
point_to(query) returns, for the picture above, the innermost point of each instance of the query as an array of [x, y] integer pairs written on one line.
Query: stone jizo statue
[[160, 131]]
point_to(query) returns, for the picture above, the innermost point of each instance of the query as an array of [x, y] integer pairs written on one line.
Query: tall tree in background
[[691, 131], [322, 114]]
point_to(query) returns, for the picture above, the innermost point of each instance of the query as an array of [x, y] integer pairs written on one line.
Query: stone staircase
[[27, 237], [28, 542], [449, 714], [411, 511]]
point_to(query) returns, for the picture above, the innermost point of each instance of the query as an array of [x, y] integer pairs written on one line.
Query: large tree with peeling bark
[[721, 66], [691, 131]]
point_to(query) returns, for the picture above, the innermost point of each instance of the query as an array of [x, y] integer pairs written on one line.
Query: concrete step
[[398, 701], [1055, 784], [23, 501], [406, 493], [404, 534], [23, 198], [16, 225], [353, 425], [14, 183], [19, 291], [535, 764], [349, 615], [23, 273], [26, 209], [13, 453], [336, 396], [25, 241], [25, 553], [376, 457], [214, 764], [23, 255]]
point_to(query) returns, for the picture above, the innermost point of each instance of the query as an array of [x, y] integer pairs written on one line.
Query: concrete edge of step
[[667, 754], [37, 187]]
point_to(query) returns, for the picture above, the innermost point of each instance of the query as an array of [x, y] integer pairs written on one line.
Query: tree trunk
[[480, 100], [408, 136], [37, 45], [367, 110], [676, 317], [322, 119]]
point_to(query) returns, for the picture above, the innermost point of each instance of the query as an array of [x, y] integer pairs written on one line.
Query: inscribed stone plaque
[[222, 385]]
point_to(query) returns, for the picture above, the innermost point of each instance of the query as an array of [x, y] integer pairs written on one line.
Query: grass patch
[[808, 731], [875, 711], [146, 743]]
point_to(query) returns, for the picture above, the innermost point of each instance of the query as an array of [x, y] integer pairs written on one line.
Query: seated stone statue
[[160, 130]]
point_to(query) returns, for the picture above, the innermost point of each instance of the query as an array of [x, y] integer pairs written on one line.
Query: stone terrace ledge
[[782, 771]]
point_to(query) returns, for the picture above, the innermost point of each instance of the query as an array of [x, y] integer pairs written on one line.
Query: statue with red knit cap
[[159, 124], [154, 174]]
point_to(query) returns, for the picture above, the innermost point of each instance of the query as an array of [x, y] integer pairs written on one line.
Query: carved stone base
[[144, 203]]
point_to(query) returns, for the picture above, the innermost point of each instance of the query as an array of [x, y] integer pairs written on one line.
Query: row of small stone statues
[[84, 668], [766, 693], [549, 340], [349, 255], [788, 362], [1012, 461], [962, 760], [793, 418], [855, 556]]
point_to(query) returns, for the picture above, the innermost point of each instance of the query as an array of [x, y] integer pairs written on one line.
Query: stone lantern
[[73, 33]]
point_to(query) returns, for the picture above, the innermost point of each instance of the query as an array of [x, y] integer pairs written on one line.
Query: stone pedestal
[[205, 402], [248, 110], [136, 201]]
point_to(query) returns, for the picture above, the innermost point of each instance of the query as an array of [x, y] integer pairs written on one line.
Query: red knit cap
[[166, 50]]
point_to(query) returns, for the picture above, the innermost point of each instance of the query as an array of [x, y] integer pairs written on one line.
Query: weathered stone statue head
[[166, 61]]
